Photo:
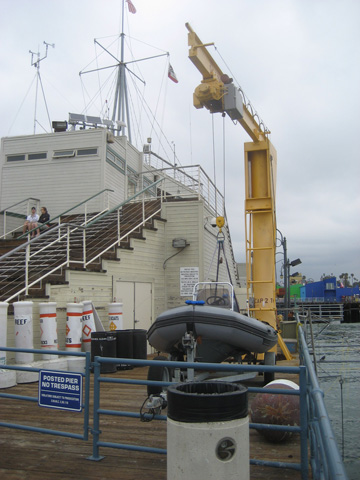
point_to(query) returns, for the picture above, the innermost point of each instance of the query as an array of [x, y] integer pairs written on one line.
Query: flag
[[131, 6], [171, 74]]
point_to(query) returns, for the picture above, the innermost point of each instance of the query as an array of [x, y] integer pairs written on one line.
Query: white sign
[[188, 277]]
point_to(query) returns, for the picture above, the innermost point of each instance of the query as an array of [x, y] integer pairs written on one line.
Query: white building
[[87, 171]]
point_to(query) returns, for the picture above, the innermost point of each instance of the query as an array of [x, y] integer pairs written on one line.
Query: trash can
[[208, 431], [103, 344], [140, 344], [124, 347]]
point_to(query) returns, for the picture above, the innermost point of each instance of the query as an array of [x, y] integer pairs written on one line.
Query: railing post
[[96, 421], [143, 209], [84, 247], [118, 225], [4, 224], [87, 395], [199, 181], [27, 259], [68, 245], [304, 424]]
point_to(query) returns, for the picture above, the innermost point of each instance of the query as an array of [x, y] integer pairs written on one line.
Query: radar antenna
[[35, 62]]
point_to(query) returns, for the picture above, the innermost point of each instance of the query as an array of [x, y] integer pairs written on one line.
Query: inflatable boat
[[220, 333]]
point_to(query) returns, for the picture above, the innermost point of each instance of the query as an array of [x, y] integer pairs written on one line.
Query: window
[[37, 156], [64, 153], [87, 151], [15, 158], [114, 159]]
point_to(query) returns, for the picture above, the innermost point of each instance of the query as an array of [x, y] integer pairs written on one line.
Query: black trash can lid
[[199, 402]]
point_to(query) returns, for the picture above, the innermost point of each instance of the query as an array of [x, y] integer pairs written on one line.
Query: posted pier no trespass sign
[[60, 390]]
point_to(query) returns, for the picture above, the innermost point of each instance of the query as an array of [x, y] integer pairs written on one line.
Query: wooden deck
[[29, 456]]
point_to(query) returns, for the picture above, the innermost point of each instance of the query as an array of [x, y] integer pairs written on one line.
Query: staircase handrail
[[128, 200], [70, 209], [71, 227], [18, 203], [82, 203], [47, 232], [50, 272], [7, 211]]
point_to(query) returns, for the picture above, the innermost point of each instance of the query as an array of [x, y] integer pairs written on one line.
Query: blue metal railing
[[315, 428], [325, 458], [235, 369], [85, 403]]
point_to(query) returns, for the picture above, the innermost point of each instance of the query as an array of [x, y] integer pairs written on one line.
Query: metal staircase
[[77, 241]]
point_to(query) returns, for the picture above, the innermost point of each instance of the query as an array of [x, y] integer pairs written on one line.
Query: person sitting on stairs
[[43, 220], [31, 222]]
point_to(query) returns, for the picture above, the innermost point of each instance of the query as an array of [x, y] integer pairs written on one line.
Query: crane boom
[[217, 93], [213, 89]]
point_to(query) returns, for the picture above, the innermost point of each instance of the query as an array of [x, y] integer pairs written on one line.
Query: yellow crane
[[217, 93]]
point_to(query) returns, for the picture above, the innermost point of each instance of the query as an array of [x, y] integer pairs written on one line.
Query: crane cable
[[224, 163], [214, 158]]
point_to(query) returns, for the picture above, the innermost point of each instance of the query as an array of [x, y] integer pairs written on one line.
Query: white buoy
[[74, 312], [88, 325], [23, 318], [48, 329], [7, 377], [116, 316]]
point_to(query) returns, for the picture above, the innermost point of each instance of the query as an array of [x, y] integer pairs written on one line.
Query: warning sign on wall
[[189, 276]]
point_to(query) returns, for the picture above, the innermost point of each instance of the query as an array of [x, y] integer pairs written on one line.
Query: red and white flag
[[171, 74], [131, 6]]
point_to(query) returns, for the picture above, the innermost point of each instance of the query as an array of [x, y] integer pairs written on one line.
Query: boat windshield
[[216, 294]]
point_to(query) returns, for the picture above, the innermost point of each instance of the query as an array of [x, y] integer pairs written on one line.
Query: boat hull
[[220, 333]]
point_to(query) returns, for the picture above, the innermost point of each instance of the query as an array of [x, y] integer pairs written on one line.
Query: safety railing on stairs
[[82, 241], [71, 211], [19, 209], [189, 181], [86, 240]]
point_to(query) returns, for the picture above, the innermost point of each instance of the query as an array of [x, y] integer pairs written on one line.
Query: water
[[337, 350]]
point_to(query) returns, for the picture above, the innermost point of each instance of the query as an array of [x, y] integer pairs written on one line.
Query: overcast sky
[[296, 60]]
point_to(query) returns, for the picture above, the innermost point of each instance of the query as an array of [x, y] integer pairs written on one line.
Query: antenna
[[36, 64]]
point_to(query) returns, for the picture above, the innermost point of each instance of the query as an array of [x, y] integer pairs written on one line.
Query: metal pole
[[286, 280]]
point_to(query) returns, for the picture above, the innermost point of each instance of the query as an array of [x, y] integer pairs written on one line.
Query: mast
[[36, 64], [121, 112]]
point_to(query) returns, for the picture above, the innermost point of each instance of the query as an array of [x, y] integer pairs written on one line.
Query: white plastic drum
[[48, 329], [3, 330], [88, 325], [23, 319], [115, 316], [74, 312]]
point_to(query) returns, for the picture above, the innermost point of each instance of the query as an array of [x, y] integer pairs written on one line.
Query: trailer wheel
[[158, 374], [270, 360]]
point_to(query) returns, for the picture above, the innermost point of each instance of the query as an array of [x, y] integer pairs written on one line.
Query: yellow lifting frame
[[260, 188]]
